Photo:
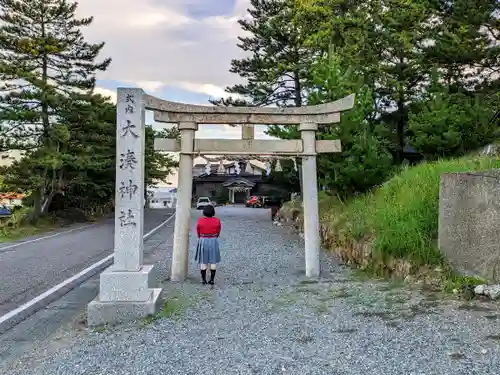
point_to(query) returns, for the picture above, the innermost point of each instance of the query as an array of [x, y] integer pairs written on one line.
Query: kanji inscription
[[129, 128], [128, 189], [127, 219], [128, 160]]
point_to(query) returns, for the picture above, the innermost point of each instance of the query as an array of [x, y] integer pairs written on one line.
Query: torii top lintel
[[173, 112]]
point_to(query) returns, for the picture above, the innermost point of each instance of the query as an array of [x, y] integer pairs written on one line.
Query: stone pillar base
[[125, 296]]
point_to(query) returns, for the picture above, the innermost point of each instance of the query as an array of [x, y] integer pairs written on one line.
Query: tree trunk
[[34, 215], [47, 202], [298, 103], [400, 131], [298, 89]]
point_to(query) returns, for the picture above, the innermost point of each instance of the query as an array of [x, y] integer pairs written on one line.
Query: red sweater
[[208, 226]]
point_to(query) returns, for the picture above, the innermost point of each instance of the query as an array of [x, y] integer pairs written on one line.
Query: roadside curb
[[21, 313]]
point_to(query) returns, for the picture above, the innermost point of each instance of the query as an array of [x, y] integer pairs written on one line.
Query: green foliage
[[159, 165], [388, 53], [15, 226], [48, 109], [275, 67], [221, 195], [453, 124], [364, 161], [462, 283], [47, 71], [287, 179], [466, 47], [402, 215]]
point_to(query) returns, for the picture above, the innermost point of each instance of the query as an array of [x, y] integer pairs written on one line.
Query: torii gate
[[127, 289]]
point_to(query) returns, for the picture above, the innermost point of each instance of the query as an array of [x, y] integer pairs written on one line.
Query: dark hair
[[209, 211]]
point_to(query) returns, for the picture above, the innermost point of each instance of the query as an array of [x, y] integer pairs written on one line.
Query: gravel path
[[264, 317]]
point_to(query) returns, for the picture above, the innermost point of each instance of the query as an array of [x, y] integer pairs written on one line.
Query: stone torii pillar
[[184, 194], [310, 198], [307, 147]]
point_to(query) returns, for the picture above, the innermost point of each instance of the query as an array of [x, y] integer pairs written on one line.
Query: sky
[[178, 50]]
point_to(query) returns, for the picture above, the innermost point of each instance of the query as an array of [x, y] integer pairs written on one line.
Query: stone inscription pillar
[[126, 289], [310, 200], [183, 207], [129, 195]]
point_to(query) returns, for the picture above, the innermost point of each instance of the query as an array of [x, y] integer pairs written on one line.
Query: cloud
[[180, 44], [149, 85], [161, 42], [204, 88], [111, 94]]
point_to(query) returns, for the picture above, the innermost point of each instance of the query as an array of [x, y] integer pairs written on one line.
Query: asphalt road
[[32, 268]]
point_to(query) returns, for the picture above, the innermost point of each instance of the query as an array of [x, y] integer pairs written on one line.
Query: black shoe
[[203, 276], [212, 277]]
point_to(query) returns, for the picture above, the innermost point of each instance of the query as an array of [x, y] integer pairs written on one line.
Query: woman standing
[[207, 251]]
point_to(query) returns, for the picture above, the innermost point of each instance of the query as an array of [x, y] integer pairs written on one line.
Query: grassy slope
[[14, 228], [401, 217]]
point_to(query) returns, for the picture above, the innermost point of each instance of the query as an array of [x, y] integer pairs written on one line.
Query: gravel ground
[[264, 317]]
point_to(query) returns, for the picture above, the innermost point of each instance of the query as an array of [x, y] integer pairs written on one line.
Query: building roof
[[254, 163], [226, 177], [238, 181], [12, 196]]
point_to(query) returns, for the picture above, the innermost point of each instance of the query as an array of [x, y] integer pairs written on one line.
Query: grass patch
[[393, 230], [17, 226], [403, 213], [340, 293], [392, 286], [384, 315], [14, 227], [322, 308], [173, 308], [461, 283]]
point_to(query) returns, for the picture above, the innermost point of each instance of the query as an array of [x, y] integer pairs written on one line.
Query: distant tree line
[[425, 72], [50, 111]]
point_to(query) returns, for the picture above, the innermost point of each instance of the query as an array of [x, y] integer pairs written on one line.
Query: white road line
[[19, 314]]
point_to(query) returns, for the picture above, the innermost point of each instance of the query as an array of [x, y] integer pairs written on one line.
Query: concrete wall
[[469, 222]]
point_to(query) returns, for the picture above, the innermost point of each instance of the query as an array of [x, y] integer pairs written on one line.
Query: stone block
[[469, 218], [127, 285], [101, 312]]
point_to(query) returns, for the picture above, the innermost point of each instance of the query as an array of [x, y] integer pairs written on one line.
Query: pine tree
[[46, 68], [159, 164], [275, 69], [364, 161], [466, 46], [399, 36], [88, 154], [447, 123]]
